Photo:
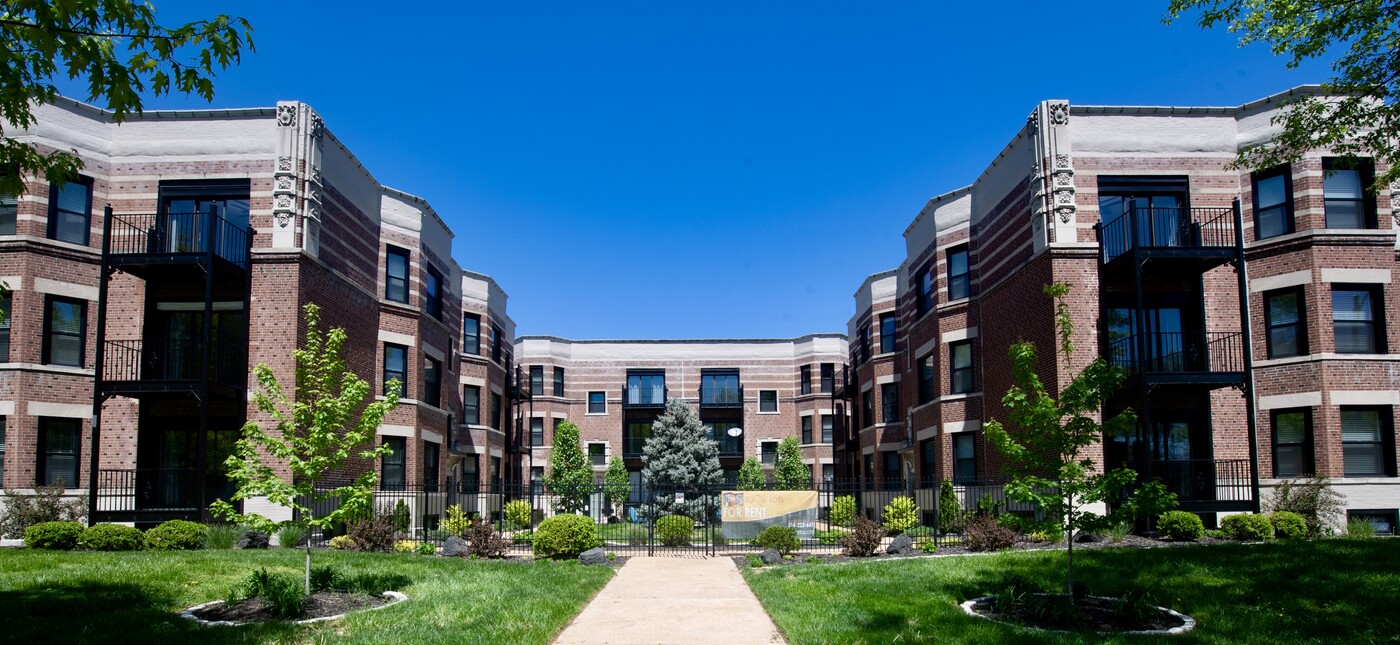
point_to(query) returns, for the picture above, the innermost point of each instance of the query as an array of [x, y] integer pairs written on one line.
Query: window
[[867, 407], [1343, 194], [828, 473], [471, 473], [5, 328], [396, 274], [598, 454], [828, 377], [804, 379], [767, 400], [768, 451], [69, 208], [634, 437], [720, 387], [646, 388], [889, 402], [536, 431], [471, 405], [1367, 442], [964, 458], [870, 468], [537, 479], [928, 453], [924, 280], [1354, 320], [1383, 522], [432, 381], [807, 429], [495, 344], [926, 379], [471, 334], [2, 452], [1283, 316], [864, 343], [396, 368], [392, 465], [1293, 450], [58, 451], [1273, 203], [495, 411], [65, 330], [9, 210], [536, 380], [430, 466], [960, 367], [432, 293], [959, 282], [892, 474], [597, 403], [887, 325], [558, 381], [828, 424]]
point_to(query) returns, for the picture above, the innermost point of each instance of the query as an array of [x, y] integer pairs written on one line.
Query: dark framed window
[[396, 274], [828, 473], [432, 293], [1283, 316], [432, 381], [1293, 442], [59, 442], [598, 454], [891, 474], [392, 465], [471, 405], [9, 213], [1273, 203], [1344, 196], [828, 378], [870, 468], [964, 458], [471, 473], [471, 334], [496, 411], [634, 437], [495, 344], [768, 451], [536, 431], [5, 318], [70, 211], [65, 331], [928, 453], [807, 429], [646, 388], [923, 280], [597, 403], [960, 367], [430, 466], [558, 381], [867, 408], [396, 367], [1368, 442], [720, 387], [927, 374], [864, 343], [2, 452], [536, 380], [887, 331], [1355, 319], [959, 280], [1383, 521], [767, 400], [889, 402], [804, 379], [828, 426]]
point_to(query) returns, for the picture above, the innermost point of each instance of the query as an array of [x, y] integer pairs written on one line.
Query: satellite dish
[[735, 431]]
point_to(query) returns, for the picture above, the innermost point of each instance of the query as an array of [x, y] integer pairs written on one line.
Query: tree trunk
[[308, 565]]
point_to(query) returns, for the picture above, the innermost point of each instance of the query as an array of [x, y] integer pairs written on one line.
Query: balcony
[[135, 367], [136, 241], [1203, 358], [633, 444], [1203, 484], [1207, 234], [147, 495], [722, 397], [644, 397]]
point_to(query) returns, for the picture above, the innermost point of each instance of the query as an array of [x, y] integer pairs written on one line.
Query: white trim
[[7, 408], [434, 352], [64, 410], [867, 386], [586, 402], [65, 289], [431, 437], [888, 378], [1269, 283], [471, 380], [958, 397], [396, 338], [926, 433], [387, 430], [1368, 276], [1364, 397], [777, 405], [1298, 400], [959, 334], [559, 415], [14, 282], [891, 446], [926, 349], [867, 450], [970, 425]]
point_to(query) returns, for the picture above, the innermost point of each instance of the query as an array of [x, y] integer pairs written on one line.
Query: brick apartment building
[[1254, 312]]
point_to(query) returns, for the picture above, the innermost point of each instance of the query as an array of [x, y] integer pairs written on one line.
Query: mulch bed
[[1094, 614], [318, 605]]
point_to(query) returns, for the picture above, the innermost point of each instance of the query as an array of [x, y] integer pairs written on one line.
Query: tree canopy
[[789, 472], [570, 475], [751, 475], [680, 457]]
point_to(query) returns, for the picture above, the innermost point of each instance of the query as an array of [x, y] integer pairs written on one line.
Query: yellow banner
[[747, 512]]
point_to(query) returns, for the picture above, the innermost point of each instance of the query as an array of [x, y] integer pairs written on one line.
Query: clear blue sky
[[704, 169]]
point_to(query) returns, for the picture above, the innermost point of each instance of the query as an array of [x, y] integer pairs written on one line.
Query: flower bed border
[[1187, 625], [393, 596]]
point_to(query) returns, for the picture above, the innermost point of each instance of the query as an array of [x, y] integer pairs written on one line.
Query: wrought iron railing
[[644, 397], [1201, 480], [146, 489], [179, 234], [1178, 353], [722, 397], [172, 360], [1166, 228]]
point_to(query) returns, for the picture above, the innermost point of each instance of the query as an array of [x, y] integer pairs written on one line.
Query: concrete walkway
[[673, 600]]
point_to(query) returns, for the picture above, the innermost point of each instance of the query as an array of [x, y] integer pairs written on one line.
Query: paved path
[[673, 600]]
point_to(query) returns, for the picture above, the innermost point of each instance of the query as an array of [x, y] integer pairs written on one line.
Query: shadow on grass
[[374, 583]]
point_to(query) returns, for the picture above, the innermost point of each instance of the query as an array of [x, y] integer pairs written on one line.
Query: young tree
[[1360, 113], [117, 46], [751, 475], [617, 484], [681, 457], [788, 469], [1044, 447], [317, 430], [570, 476]]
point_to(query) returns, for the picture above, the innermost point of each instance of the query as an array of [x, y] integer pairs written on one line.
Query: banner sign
[[745, 513]]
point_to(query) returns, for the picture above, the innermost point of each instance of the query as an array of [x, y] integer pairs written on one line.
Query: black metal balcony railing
[[722, 397], [730, 446], [172, 360], [632, 445], [147, 490], [1167, 228], [1179, 353], [1201, 480], [644, 397], [179, 234]]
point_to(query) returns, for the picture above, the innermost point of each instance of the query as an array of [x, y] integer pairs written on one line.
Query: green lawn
[[134, 597], [1285, 592]]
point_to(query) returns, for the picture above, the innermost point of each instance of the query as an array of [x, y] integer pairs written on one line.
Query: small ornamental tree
[[1044, 453], [681, 457], [617, 485], [570, 476], [751, 475], [788, 469], [320, 425]]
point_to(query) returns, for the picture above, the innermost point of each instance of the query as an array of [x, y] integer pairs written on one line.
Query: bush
[[401, 517], [901, 514], [221, 536], [1288, 525], [950, 513], [59, 536], [1247, 527], [1118, 531], [341, 542], [1150, 500], [1314, 499], [405, 546], [426, 548], [1360, 528], [864, 538], [828, 537], [674, 530], [484, 541], [782, 538], [523, 538], [1181, 526], [518, 513], [985, 533], [326, 578], [843, 509], [374, 533], [176, 535], [927, 545], [290, 536], [456, 522], [47, 504], [566, 536], [285, 595], [111, 537]]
